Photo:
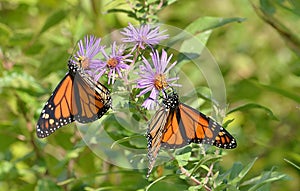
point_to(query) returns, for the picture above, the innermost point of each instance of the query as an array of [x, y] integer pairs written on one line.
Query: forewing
[[57, 111], [174, 135], [92, 99], [155, 134], [199, 128]]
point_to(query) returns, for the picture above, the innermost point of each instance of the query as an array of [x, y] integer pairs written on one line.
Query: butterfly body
[[176, 124], [76, 97]]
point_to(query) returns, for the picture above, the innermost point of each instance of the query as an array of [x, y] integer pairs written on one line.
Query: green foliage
[[258, 52], [143, 11], [54, 19], [254, 105], [269, 11]]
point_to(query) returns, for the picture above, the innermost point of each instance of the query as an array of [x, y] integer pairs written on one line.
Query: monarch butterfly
[[76, 97], [176, 124]]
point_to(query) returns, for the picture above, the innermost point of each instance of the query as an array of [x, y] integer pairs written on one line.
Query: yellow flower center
[[160, 81], [84, 62], [112, 63]]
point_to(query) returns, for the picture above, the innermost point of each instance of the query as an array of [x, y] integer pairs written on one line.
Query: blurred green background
[[259, 59]]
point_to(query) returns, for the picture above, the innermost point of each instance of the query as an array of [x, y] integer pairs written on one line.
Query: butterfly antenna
[[74, 49], [164, 92], [73, 53]]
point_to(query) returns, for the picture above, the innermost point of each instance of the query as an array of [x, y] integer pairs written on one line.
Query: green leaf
[[191, 46], [203, 163], [293, 6], [21, 37], [253, 106], [47, 184], [195, 188], [129, 13], [154, 182], [196, 35], [167, 183], [65, 182], [20, 81], [267, 6], [36, 48], [266, 178], [202, 27], [242, 173], [269, 15], [183, 155], [171, 1], [293, 164], [5, 33], [280, 91], [151, 1], [54, 19], [227, 122], [8, 171], [226, 187], [208, 23], [137, 141], [5, 127], [236, 168]]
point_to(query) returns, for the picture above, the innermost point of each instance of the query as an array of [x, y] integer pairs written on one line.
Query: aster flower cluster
[[153, 77], [98, 61], [143, 36], [113, 63]]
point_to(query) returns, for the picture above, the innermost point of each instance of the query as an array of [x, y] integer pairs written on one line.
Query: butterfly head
[[84, 62], [73, 66]]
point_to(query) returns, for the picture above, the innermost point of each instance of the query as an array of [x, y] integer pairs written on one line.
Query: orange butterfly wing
[[154, 135], [92, 97], [176, 124], [173, 136], [199, 128], [58, 109], [77, 97]]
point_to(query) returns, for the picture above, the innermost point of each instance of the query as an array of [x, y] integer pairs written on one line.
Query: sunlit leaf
[[280, 91], [266, 178], [182, 156], [20, 81], [138, 141], [200, 30], [54, 19], [254, 106], [204, 161], [293, 164], [208, 23], [266, 13], [5, 33], [47, 184], [238, 176], [167, 183]]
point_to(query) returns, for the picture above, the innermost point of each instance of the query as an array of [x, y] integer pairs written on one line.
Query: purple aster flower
[[87, 50], [114, 63], [143, 36], [155, 78]]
